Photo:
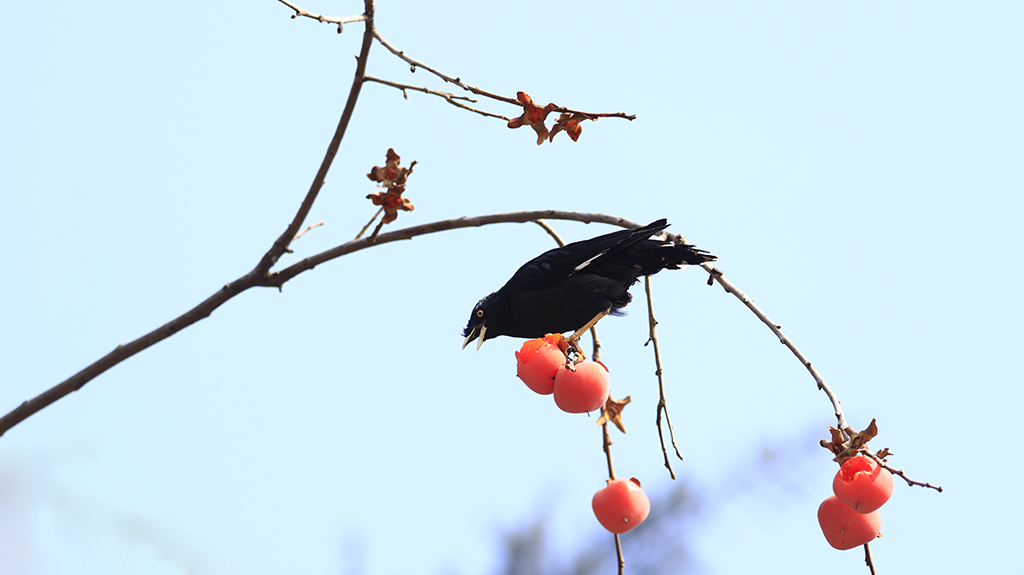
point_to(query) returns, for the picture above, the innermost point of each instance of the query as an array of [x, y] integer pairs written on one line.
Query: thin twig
[[369, 223], [282, 242], [376, 231], [662, 404], [323, 19], [551, 232], [606, 443], [618, 551], [591, 116], [728, 286], [867, 559], [413, 64], [607, 446], [716, 275], [899, 472], [448, 96], [309, 227], [255, 277]]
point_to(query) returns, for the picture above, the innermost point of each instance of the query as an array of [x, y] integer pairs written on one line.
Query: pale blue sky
[[856, 166]]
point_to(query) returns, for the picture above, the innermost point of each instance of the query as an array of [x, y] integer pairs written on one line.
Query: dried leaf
[[533, 116], [390, 174], [570, 124], [844, 448], [612, 411], [392, 178], [859, 440]]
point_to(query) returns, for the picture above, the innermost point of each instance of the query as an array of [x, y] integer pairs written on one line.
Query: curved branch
[[204, 309], [413, 64], [899, 472], [718, 276], [279, 278], [551, 232], [281, 244], [259, 277]]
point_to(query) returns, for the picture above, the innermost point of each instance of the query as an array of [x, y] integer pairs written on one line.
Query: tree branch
[[123, 352], [867, 559], [324, 19], [279, 278], [413, 64], [551, 232], [204, 309], [899, 472], [282, 242], [718, 276], [662, 403], [606, 442], [309, 227], [448, 96], [259, 277]]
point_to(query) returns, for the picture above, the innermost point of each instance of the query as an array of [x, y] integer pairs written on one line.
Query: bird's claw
[[571, 348], [573, 343]]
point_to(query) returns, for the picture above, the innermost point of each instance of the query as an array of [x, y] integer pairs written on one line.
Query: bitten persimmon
[[621, 505], [843, 527], [583, 389], [537, 362], [863, 484]]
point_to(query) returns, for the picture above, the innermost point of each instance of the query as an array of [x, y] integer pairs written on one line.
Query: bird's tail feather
[[673, 257]]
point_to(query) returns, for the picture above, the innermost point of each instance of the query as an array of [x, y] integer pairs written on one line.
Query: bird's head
[[477, 326]]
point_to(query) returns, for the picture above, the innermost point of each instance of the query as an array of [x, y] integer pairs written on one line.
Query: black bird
[[570, 287]]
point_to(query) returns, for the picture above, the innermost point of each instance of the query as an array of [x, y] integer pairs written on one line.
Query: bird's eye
[[479, 313]]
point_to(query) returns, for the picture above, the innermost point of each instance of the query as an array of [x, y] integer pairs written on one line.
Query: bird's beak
[[473, 335]]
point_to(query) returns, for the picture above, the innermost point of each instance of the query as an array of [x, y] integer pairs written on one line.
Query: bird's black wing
[[554, 266]]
